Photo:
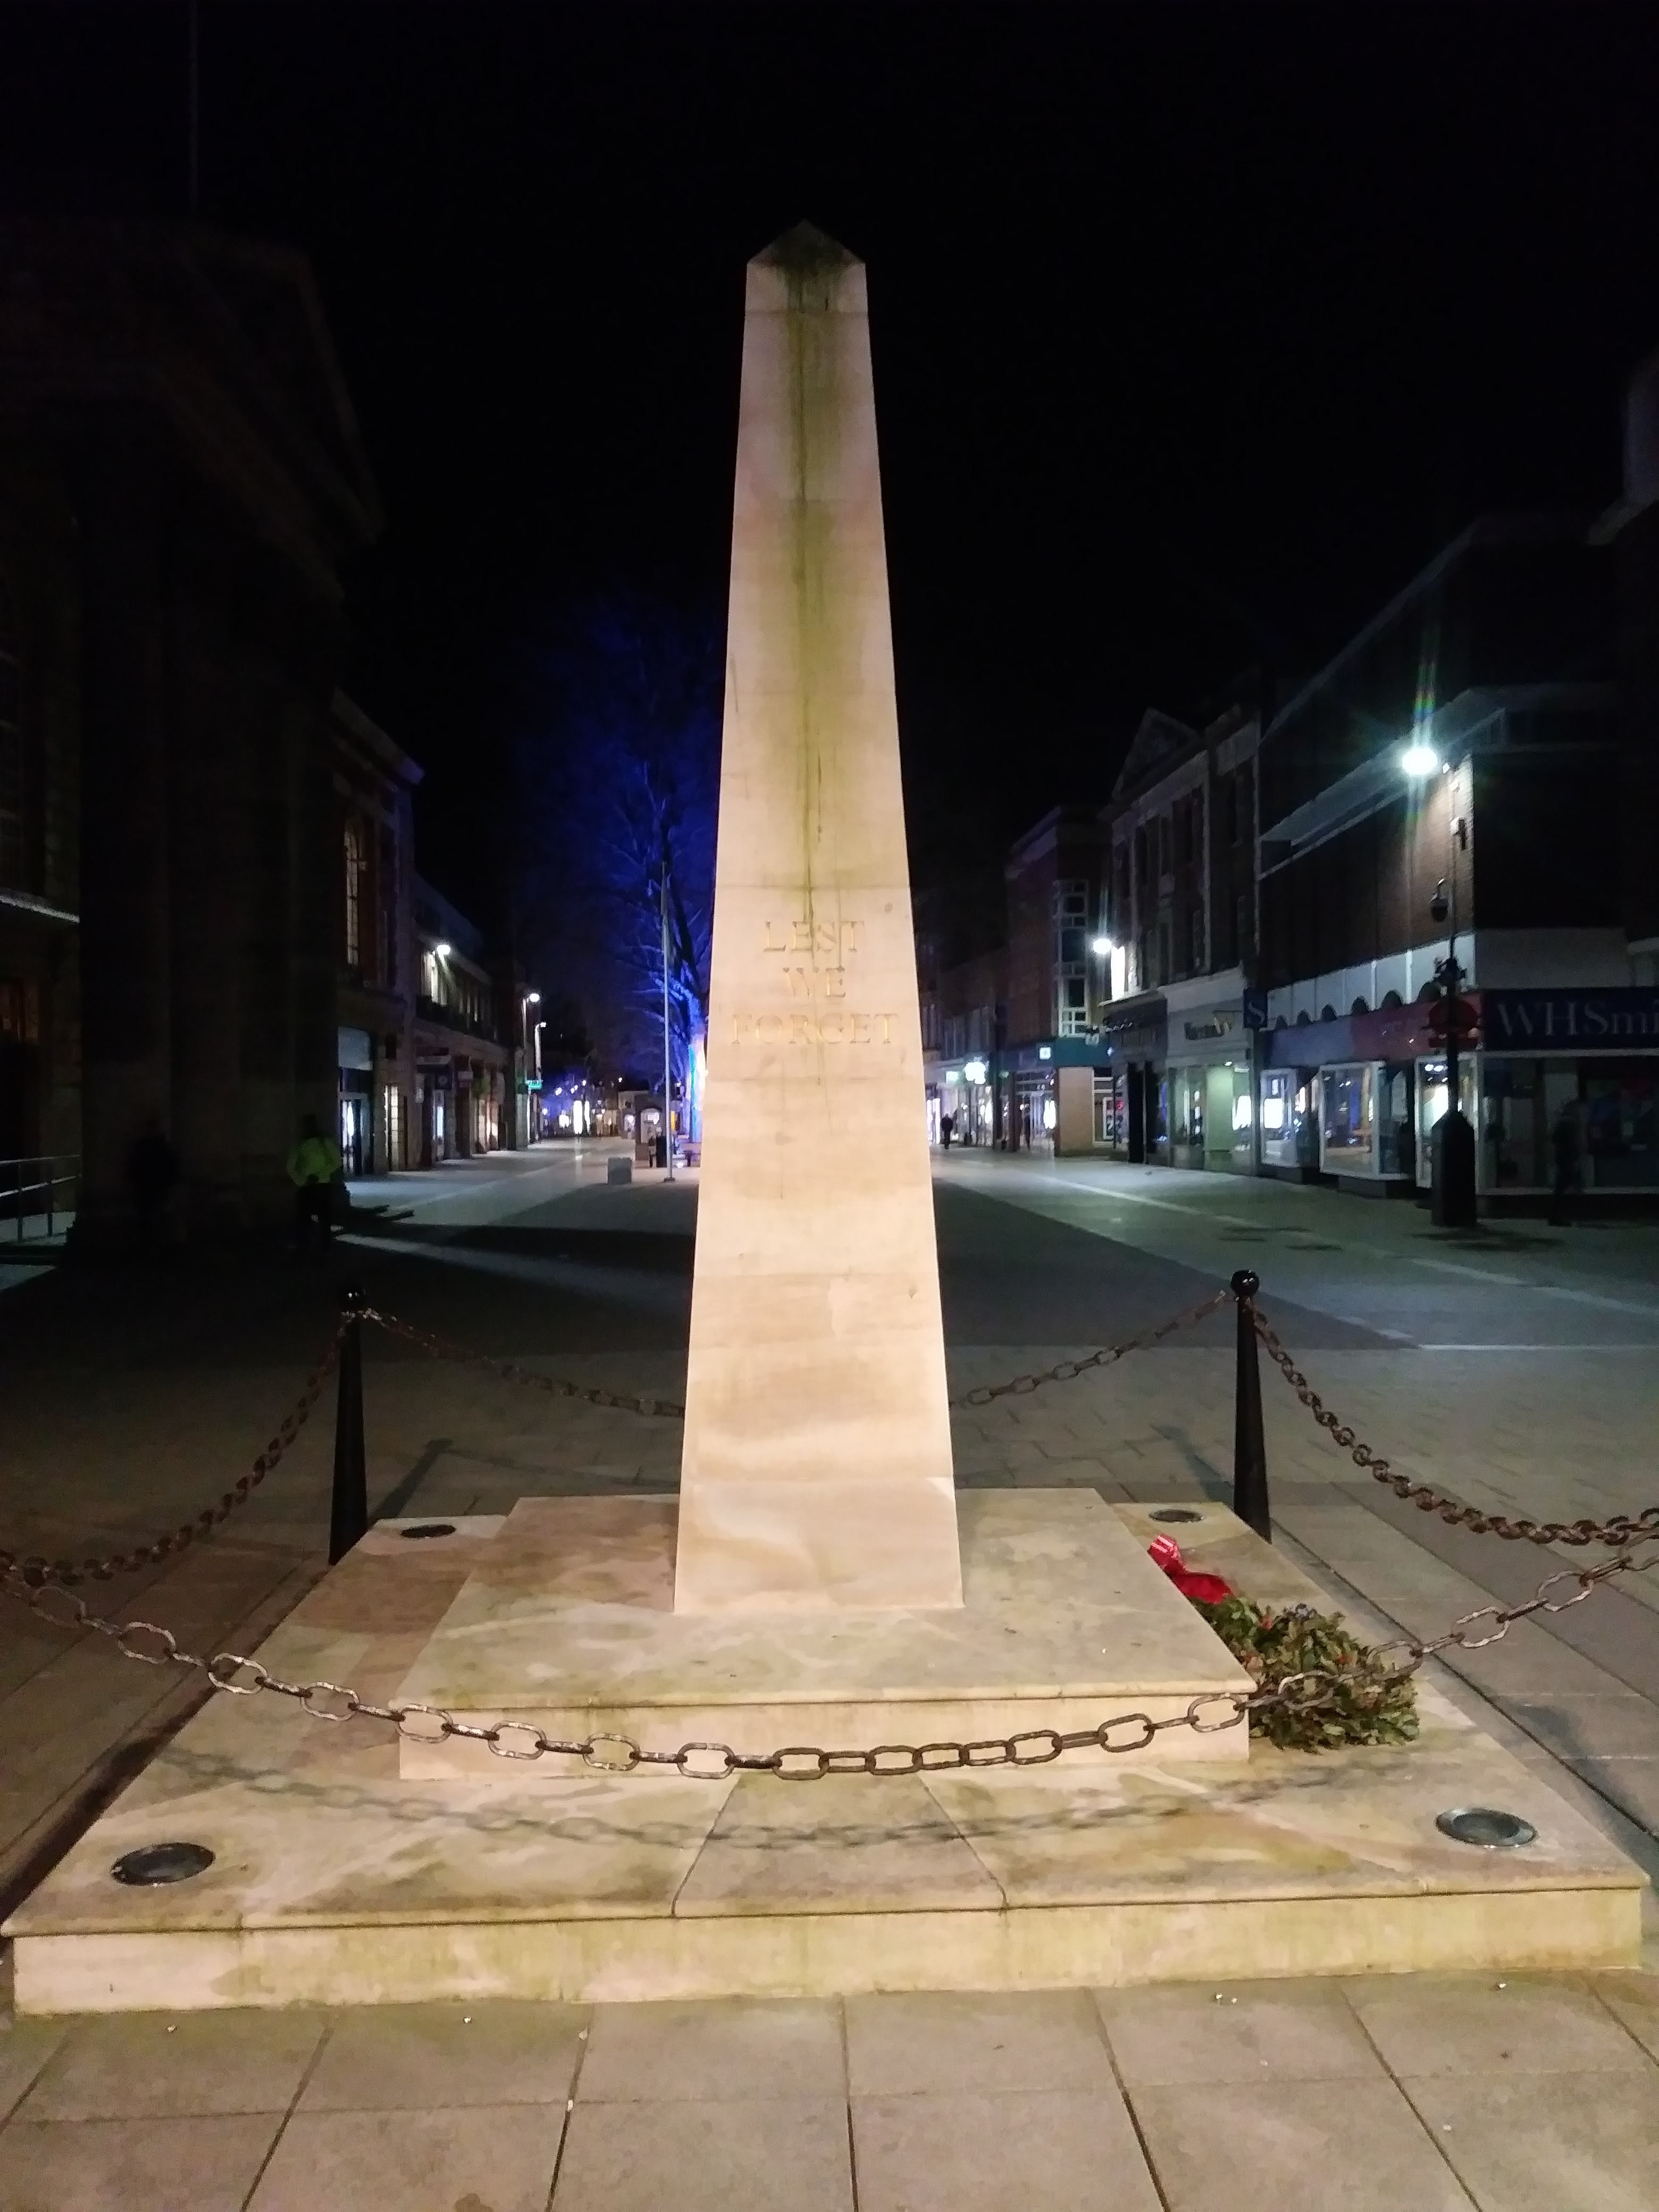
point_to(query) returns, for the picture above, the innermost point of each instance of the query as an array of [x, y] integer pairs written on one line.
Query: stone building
[[181, 480], [374, 782], [471, 1016], [1174, 1075]]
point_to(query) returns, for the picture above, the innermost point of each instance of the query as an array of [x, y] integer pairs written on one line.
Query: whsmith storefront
[[1354, 1101]]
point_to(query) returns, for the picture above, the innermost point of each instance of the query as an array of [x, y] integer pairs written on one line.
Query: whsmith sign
[[1569, 1021]]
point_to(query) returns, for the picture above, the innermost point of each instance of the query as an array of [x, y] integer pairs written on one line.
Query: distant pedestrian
[[312, 1166], [947, 1129], [152, 1177], [1564, 1142]]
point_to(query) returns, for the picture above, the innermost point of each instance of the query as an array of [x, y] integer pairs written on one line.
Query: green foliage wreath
[[1269, 1646]]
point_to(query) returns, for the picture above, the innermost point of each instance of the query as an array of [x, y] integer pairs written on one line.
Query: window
[[1071, 914], [429, 978], [386, 970], [1347, 1126], [1198, 941], [353, 896], [11, 751], [391, 1123]]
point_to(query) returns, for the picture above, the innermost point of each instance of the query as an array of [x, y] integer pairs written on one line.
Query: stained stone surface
[[817, 1470], [565, 1621], [336, 1882]]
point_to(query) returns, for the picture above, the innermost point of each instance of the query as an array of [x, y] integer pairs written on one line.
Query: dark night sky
[[1197, 329]]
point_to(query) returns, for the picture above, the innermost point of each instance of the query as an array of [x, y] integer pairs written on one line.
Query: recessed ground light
[[1175, 1513], [429, 1528], [1480, 1824], [158, 1863]]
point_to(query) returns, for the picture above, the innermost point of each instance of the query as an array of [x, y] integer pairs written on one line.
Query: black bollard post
[[348, 1517], [1249, 1446]]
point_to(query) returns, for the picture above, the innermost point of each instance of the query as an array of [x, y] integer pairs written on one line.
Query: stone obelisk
[[816, 1469]]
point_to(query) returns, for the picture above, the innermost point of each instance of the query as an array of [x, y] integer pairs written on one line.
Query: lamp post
[[1452, 1203]]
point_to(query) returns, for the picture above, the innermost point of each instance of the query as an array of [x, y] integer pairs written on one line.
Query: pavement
[[1515, 1366]]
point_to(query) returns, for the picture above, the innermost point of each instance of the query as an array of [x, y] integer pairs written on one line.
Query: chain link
[[228, 1672], [1623, 1529], [1067, 1371], [65, 1573], [443, 1347]]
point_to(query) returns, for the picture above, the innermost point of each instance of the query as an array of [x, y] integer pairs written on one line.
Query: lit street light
[[1102, 947], [1452, 1202]]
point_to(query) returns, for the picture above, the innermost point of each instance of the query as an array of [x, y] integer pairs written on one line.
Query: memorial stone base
[[339, 1879]]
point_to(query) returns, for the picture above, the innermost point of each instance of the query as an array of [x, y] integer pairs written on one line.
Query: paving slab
[[1289, 2031], [1546, 2142], [690, 2053], [1297, 2146], [147, 2066], [911, 2043], [778, 2155], [1431, 2024], [982, 2151], [415, 2058], [481, 2158], [114, 2165]]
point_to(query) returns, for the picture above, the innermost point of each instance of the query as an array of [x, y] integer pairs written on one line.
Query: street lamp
[[441, 950], [1452, 1157], [1102, 947]]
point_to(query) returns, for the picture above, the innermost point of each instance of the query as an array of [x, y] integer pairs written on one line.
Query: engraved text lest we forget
[[813, 957]]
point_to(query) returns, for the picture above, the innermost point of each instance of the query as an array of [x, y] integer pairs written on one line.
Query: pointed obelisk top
[[806, 247], [807, 271]]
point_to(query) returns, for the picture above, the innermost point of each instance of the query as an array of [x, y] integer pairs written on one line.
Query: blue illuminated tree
[[618, 774]]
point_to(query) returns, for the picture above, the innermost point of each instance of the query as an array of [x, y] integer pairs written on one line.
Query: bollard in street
[[1249, 1446], [348, 1517]]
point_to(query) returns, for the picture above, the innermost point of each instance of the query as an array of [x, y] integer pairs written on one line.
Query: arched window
[[1327, 1013], [12, 855], [1359, 1007], [1391, 1000]]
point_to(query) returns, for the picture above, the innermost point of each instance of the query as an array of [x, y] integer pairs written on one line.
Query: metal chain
[[1302, 1692], [443, 1347], [1067, 1371], [1019, 1386], [1622, 1528], [65, 1573]]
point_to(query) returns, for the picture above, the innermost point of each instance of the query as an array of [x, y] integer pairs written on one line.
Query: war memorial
[[820, 1723]]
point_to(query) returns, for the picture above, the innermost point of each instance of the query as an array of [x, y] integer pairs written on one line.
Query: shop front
[[1210, 1089], [356, 1058], [434, 1091], [1343, 1101], [1573, 1074], [963, 1090], [1130, 1108]]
